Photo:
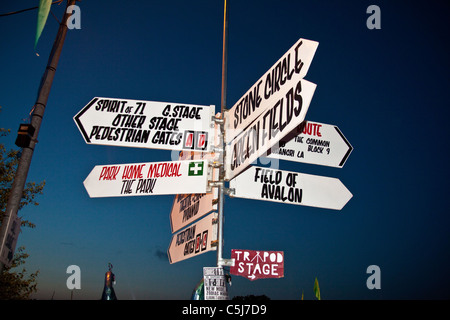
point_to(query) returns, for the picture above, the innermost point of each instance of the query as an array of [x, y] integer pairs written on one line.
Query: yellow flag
[[44, 9], [317, 289]]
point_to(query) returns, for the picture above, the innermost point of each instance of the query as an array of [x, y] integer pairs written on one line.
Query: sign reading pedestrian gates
[[146, 124], [255, 265], [151, 178], [290, 187], [194, 240], [316, 143]]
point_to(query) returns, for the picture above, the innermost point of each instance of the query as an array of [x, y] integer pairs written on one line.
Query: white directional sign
[[194, 240], [269, 128], [290, 187], [151, 178], [272, 88], [146, 124], [316, 143]]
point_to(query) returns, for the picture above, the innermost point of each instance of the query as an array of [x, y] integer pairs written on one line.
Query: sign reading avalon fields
[[146, 124]]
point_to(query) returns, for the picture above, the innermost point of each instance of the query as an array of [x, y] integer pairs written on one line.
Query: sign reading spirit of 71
[[146, 124]]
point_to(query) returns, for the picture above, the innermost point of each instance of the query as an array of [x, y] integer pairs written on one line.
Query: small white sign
[[215, 283], [8, 243], [150, 178], [290, 187]]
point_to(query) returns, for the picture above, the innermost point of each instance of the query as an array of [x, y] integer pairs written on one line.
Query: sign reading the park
[[151, 178], [146, 124], [255, 265], [290, 187]]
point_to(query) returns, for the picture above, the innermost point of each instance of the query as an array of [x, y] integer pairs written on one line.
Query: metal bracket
[[215, 184], [230, 191], [226, 262]]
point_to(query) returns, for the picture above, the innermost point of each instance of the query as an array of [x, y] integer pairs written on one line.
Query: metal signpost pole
[[222, 129]]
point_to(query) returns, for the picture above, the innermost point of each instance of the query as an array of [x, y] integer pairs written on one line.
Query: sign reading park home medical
[[316, 143], [194, 240], [290, 187], [146, 124], [255, 265], [151, 178], [269, 128], [271, 89]]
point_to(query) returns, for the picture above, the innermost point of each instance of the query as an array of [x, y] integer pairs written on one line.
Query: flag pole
[[222, 129], [12, 207]]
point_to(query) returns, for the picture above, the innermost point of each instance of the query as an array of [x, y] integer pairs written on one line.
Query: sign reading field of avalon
[[152, 178], [146, 124], [291, 187]]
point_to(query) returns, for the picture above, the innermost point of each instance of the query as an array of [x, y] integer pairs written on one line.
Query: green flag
[[44, 9], [317, 289]]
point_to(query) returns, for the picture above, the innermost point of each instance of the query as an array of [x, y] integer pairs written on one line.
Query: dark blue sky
[[385, 89]]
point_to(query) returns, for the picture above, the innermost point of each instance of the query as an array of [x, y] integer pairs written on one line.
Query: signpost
[[228, 143], [316, 143], [151, 178], [194, 240], [271, 88], [290, 187], [146, 124], [255, 265]]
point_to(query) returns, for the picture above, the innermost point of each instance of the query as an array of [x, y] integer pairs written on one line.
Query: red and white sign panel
[[315, 143], [194, 240], [290, 187], [146, 124], [255, 265], [150, 178], [271, 87]]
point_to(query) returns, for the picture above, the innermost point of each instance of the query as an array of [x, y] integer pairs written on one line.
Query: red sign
[[257, 264]]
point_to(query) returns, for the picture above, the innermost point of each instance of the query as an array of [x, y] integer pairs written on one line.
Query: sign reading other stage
[[151, 178], [290, 187], [255, 265], [194, 240], [146, 124]]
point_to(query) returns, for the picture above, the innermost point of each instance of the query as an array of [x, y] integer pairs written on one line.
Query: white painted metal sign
[[290, 187], [146, 124], [8, 243], [269, 128], [215, 283], [194, 240], [316, 143], [151, 178], [271, 88]]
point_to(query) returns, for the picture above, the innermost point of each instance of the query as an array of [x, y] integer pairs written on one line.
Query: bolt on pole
[[20, 177]]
